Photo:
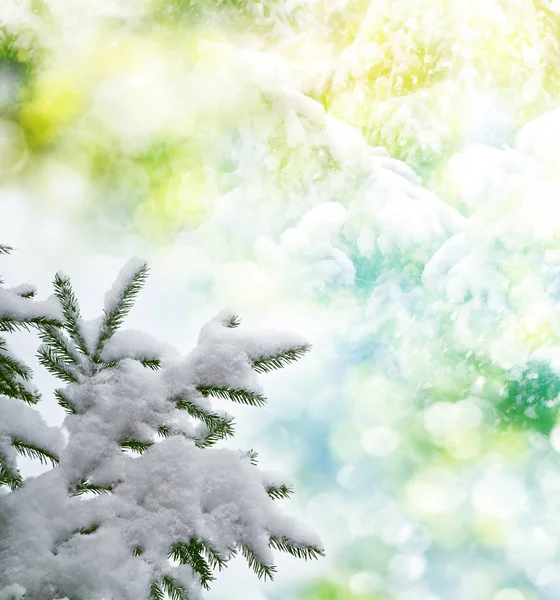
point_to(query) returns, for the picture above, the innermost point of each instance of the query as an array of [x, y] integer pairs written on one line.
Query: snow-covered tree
[[140, 506], [22, 429]]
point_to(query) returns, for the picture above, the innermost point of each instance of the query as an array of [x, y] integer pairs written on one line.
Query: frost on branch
[[22, 430], [141, 505]]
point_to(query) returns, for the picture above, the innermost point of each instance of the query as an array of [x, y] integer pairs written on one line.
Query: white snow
[[19, 309]]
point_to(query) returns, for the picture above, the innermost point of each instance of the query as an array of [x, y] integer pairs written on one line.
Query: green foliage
[[65, 403], [65, 352], [298, 550], [33, 451], [218, 427], [252, 456], [232, 321], [86, 487], [56, 365], [265, 364], [169, 586], [151, 363], [8, 476], [192, 553], [135, 445], [89, 530], [262, 570], [234, 394], [276, 493], [71, 310], [113, 319], [532, 399]]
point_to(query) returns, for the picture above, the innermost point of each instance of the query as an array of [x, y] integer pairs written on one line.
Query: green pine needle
[[56, 365], [218, 427], [7, 476], [89, 530], [138, 551], [221, 429], [65, 403], [215, 560], [164, 431], [85, 487], [192, 553], [261, 569], [252, 456], [298, 550], [10, 325], [135, 445], [151, 363], [5, 249], [232, 321], [174, 590], [53, 338], [113, 319], [277, 493], [156, 591], [234, 394], [265, 364], [71, 311], [10, 366], [33, 451]]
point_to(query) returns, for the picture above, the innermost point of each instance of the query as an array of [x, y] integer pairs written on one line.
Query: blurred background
[[382, 176]]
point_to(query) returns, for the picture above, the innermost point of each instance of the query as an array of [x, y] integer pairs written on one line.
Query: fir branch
[[18, 391], [135, 445], [164, 431], [56, 365], [11, 370], [261, 569], [54, 339], [191, 553], [156, 591], [234, 394], [10, 366], [232, 321], [284, 544], [222, 429], [33, 451], [71, 311], [8, 476], [216, 561], [24, 291], [277, 493], [151, 363], [65, 403], [85, 487], [174, 590], [265, 364], [252, 456], [10, 325], [218, 427], [88, 530], [113, 319]]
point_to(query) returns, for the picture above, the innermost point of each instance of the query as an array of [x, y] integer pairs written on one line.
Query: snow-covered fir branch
[[22, 429], [141, 505]]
